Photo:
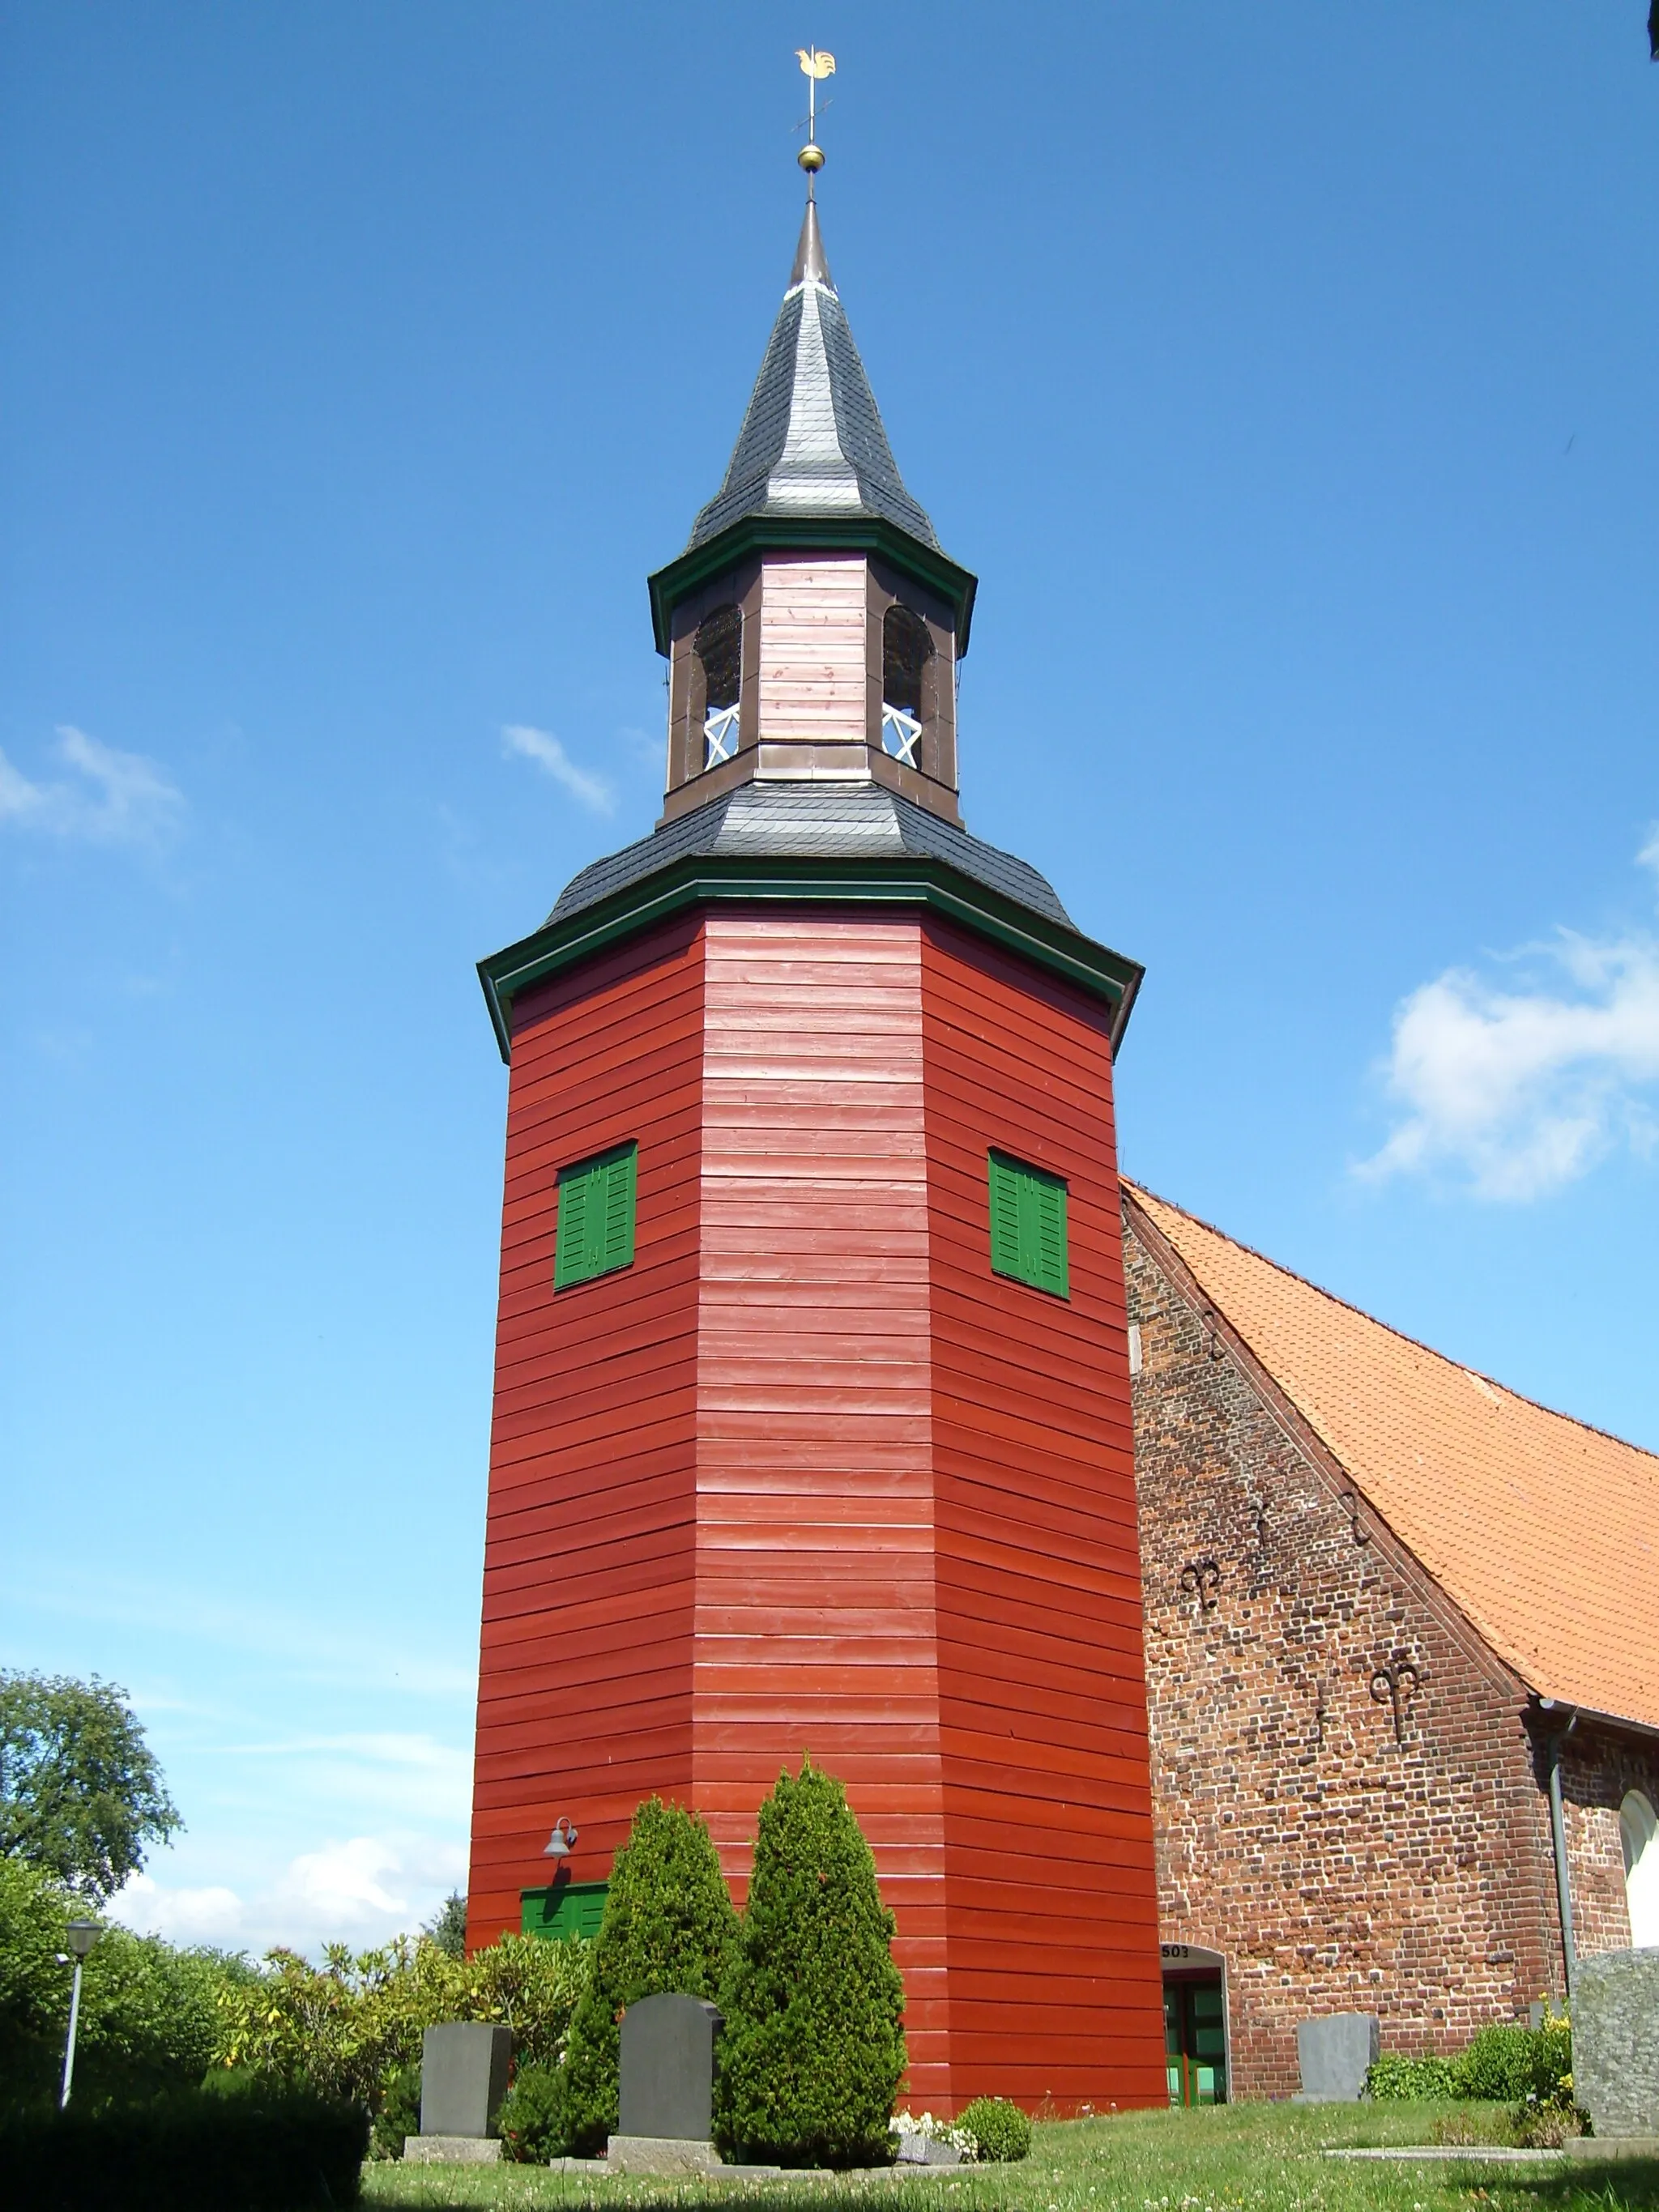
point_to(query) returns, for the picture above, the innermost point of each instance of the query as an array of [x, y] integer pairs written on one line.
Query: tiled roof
[[812, 444], [1543, 1532], [859, 822]]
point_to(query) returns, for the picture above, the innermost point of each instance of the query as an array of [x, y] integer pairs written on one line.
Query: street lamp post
[[83, 1934]]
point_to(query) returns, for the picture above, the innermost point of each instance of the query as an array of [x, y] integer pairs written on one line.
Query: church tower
[[812, 1419]]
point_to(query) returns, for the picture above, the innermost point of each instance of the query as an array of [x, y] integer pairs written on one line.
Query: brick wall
[[1338, 1864], [1598, 1766]]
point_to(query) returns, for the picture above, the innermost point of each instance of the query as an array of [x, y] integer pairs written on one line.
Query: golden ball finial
[[810, 158]]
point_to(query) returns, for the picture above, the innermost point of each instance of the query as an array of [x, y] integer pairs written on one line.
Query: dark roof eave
[[870, 533], [700, 879], [1555, 1707]]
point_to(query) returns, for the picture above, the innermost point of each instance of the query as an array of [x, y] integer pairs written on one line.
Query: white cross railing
[[899, 733], [720, 736]]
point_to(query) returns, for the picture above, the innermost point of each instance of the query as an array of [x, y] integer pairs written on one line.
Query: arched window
[[1638, 1832], [719, 654], [906, 649]]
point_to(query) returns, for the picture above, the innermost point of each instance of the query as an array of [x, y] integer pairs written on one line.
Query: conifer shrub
[[669, 1924], [813, 2046], [531, 2122], [999, 2128]]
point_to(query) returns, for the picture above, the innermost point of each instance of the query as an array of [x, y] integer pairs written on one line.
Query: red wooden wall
[[814, 1564], [807, 1477], [1051, 1904], [584, 1663]]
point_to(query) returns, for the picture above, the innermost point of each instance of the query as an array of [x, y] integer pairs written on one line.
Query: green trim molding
[[863, 533], [701, 880]]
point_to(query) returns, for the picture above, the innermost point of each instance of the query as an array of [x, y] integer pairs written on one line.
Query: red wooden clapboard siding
[[585, 1673], [814, 1564], [1051, 1905], [808, 1479]]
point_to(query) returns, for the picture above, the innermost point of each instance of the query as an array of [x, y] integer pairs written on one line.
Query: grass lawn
[[1235, 2157]]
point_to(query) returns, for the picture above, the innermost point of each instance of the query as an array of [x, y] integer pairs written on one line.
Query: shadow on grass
[[1617, 2183]]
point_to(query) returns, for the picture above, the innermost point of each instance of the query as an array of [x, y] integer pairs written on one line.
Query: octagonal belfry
[[811, 1425]]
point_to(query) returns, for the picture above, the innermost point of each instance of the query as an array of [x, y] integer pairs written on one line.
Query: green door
[[1195, 2041], [566, 1908]]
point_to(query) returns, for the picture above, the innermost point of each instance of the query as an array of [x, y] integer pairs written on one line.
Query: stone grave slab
[[1336, 2052], [668, 2069], [1616, 2043], [463, 2078]]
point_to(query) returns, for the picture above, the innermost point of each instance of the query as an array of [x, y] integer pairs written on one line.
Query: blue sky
[[1287, 375]]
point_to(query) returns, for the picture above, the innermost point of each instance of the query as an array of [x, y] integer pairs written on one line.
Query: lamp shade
[[81, 1934]]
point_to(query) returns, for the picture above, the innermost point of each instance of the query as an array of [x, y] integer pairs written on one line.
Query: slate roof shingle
[[813, 442], [1543, 1532], [860, 822]]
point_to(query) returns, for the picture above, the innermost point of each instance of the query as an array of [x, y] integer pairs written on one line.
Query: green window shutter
[[619, 1210], [1028, 1225], [1004, 1217], [596, 1217]]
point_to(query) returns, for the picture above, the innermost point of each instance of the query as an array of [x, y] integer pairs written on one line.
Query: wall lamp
[[561, 1842]]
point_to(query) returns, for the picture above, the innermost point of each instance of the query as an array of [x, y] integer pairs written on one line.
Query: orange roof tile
[[1544, 1533]]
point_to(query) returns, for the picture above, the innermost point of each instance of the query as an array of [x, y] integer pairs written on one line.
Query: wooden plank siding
[[815, 1617], [584, 1663], [808, 1479], [1051, 1901], [812, 675]]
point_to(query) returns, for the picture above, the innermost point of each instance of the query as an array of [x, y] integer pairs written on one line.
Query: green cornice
[[701, 881], [867, 534]]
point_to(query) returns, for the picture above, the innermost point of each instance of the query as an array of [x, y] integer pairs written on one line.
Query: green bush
[[532, 2121], [149, 2015], [1000, 2129], [668, 1925], [813, 2046], [1394, 2079], [1505, 2063], [348, 2027], [399, 2113], [188, 2153]]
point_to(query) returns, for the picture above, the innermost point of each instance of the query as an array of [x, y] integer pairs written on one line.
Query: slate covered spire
[[812, 446]]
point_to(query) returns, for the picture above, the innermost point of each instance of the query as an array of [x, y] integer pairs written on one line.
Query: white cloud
[[112, 798], [1520, 1091], [550, 755], [361, 1890], [183, 1916]]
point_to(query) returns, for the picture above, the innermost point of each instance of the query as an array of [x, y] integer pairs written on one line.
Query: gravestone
[[668, 2098], [1615, 2042], [1335, 2053], [463, 2080], [915, 2148]]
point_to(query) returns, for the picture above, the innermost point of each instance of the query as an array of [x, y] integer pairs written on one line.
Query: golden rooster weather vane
[[814, 67]]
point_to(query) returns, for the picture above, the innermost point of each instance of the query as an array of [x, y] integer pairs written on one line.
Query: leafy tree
[[669, 1924], [813, 2047], [447, 1926], [80, 1793]]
